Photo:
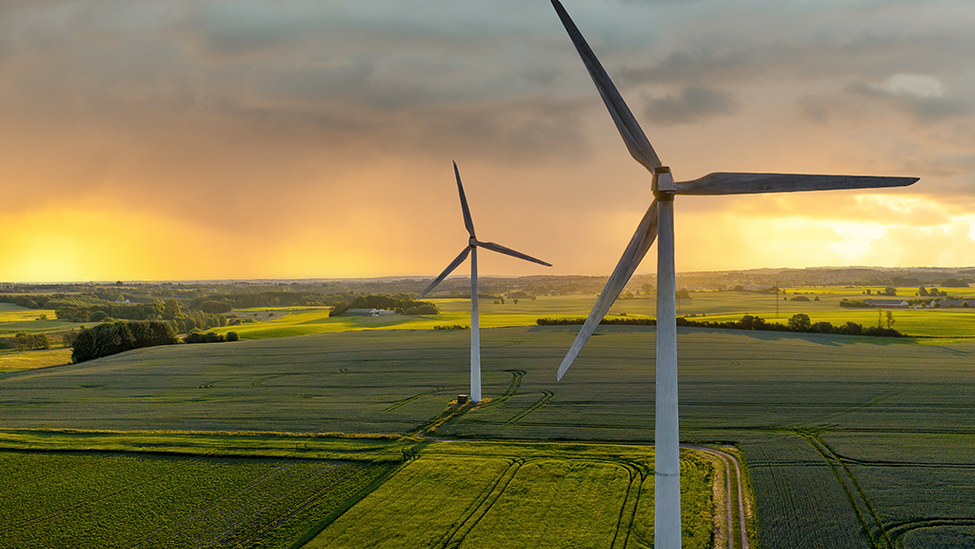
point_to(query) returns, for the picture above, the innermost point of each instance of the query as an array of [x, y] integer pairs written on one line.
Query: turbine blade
[[636, 141], [748, 183], [453, 265], [508, 251], [642, 239], [468, 222]]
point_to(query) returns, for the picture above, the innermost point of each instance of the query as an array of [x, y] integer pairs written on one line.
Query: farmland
[[126, 500], [834, 429], [464, 494]]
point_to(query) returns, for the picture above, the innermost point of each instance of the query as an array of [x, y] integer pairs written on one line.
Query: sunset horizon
[[242, 141]]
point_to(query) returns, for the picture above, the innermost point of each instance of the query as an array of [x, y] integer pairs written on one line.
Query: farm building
[[887, 303], [368, 312]]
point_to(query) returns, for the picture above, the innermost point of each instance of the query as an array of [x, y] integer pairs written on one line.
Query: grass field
[[84, 499], [27, 360], [837, 431], [15, 319], [462, 494], [718, 306]]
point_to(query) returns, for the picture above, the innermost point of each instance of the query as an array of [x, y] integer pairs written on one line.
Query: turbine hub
[[472, 242], [663, 184]]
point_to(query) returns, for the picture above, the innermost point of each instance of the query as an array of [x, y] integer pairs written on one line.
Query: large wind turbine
[[471, 248], [659, 219]]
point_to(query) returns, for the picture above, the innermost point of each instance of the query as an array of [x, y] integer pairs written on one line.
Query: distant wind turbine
[[659, 219], [471, 249]]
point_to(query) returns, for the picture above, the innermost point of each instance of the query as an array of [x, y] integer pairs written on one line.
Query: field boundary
[[729, 460], [873, 527], [487, 501]]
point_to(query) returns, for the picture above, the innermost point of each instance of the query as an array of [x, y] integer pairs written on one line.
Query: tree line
[[797, 323], [111, 338], [401, 303]]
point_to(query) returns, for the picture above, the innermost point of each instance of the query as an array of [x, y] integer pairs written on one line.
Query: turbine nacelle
[[662, 184]]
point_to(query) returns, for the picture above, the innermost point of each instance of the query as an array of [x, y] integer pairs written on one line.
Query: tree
[[171, 309], [683, 294], [889, 290], [215, 307], [749, 322], [800, 323], [922, 291], [823, 327], [890, 320], [850, 328], [232, 336]]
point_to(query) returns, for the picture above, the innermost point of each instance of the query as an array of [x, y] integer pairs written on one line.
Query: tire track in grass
[[546, 398], [405, 401], [512, 389], [899, 530], [630, 503], [490, 497], [869, 519]]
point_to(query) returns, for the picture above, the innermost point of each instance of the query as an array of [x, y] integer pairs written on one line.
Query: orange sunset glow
[[174, 140]]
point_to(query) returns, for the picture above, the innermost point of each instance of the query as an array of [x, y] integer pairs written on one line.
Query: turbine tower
[[471, 249], [659, 220]]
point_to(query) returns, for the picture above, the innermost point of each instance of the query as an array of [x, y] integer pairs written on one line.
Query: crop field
[[15, 319], [848, 441], [468, 494], [717, 306], [84, 499], [27, 360]]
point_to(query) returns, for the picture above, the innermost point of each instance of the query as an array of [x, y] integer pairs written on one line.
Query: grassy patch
[[11, 361], [488, 494]]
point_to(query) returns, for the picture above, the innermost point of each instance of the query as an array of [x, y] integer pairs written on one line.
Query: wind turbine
[[659, 220], [471, 249]]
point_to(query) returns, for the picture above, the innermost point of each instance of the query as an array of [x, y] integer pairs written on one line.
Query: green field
[[717, 306], [87, 499], [462, 494], [836, 430]]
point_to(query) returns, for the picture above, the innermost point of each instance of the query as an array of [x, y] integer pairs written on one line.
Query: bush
[[800, 323], [799, 298], [232, 336], [209, 337], [423, 309], [98, 316], [27, 341]]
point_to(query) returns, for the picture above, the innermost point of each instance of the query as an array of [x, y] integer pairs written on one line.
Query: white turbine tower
[[472, 245], [667, 527]]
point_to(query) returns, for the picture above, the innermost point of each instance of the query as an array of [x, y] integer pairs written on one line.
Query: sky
[[247, 139]]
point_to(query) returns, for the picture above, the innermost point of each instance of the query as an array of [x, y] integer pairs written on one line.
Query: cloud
[[921, 96], [692, 104], [947, 245]]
